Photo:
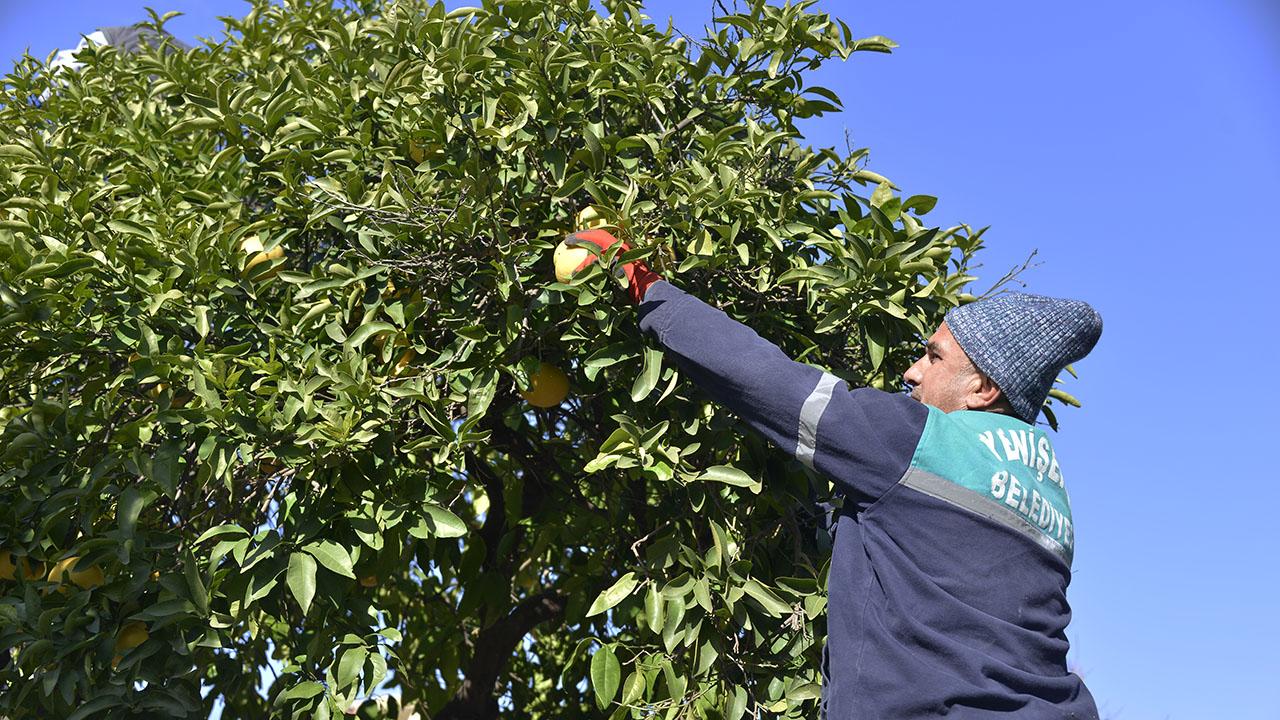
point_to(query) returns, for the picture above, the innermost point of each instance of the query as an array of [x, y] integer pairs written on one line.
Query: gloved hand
[[639, 276]]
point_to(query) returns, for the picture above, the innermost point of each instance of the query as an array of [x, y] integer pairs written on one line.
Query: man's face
[[943, 377]]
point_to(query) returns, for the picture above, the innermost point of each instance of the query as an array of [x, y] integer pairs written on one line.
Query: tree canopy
[[267, 310]]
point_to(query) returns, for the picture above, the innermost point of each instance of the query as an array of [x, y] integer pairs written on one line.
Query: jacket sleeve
[[863, 439]]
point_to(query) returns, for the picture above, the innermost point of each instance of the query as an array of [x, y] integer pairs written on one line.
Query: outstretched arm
[[863, 440]]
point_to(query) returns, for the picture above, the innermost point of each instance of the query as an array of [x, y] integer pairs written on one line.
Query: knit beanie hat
[[1023, 341]]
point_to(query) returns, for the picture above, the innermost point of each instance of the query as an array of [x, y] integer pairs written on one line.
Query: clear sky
[[1136, 146]]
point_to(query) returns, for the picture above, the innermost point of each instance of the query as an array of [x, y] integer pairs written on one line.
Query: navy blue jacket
[[952, 554]]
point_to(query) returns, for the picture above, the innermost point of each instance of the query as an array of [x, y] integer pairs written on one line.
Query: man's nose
[[912, 375]]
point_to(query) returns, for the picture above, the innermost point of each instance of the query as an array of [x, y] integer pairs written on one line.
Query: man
[[952, 555]]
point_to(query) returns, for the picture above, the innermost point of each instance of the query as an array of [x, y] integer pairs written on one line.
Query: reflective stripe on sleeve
[[810, 415], [962, 497]]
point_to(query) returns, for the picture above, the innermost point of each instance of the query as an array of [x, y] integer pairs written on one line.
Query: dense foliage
[[266, 310]]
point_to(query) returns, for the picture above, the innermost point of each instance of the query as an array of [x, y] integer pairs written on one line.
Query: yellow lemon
[[252, 246], [90, 577], [402, 363], [567, 260], [548, 387], [131, 636], [589, 219], [9, 570]]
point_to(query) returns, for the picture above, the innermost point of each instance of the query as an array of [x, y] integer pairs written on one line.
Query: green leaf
[[654, 608], [610, 355], [606, 675], [132, 501], [220, 530], [633, 688], [736, 706], [186, 126], [333, 556], [1064, 396], [302, 691], [379, 667], [614, 594], [649, 374], [357, 339], [94, 706], [302, 579], [807, 691], [920, 204], [202, 320], [165, 609], [129, 227], [480, 396], [882, 194], [767, 599], [164, 466], [195, 585], [592, 141], [16, 151], [444, 523], [875, 43], [350, 665], [730, 475], [439, 522], [876, 343], [776, 61]]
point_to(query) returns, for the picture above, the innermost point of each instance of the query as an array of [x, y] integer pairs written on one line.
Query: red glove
[[639, 276]]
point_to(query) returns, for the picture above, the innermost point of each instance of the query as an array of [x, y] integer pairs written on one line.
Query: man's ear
[[984, 393]]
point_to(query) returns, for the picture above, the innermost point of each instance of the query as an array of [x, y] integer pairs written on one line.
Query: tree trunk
[[475, 699]]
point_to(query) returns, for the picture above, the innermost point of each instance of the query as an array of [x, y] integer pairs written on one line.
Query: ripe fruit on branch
[[406, 357], [548, 387], [130, 636], [588, 219], [421, 150], [252, 246], [90, 577], [402, 363], [179, 399], [568, 260], [9, 570]]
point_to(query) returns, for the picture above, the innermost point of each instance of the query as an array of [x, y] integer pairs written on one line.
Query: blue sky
[[1136, 146]]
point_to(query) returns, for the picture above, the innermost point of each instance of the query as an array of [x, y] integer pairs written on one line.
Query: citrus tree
[[289, 385]]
